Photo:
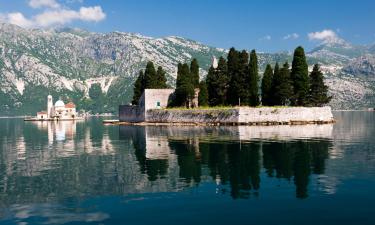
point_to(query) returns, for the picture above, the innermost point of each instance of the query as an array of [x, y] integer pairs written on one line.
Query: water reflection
[[47, 163], [282, 151]]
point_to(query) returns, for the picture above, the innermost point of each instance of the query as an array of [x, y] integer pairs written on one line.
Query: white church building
[[58, 111]]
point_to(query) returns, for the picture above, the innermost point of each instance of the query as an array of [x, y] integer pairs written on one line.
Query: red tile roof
[[41, 113], [70, 105]]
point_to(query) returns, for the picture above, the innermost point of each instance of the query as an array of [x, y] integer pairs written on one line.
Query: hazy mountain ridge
[[66, 62]]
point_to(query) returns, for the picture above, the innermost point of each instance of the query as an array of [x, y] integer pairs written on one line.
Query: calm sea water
[[84, 172]]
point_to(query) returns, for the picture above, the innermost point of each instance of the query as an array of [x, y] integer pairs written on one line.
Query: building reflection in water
[[232, 156]]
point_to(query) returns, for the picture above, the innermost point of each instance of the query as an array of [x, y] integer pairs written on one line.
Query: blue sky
[[264, 25]]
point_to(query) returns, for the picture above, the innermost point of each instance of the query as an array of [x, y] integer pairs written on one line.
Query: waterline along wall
[[233, 116]]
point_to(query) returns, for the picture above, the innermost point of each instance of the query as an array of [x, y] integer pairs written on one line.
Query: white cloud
[[17, 18], [291, 36], [324, 35], [43, 3], [56, 17], [266, 38]]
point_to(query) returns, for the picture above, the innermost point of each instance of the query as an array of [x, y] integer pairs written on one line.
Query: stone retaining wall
[[243, 115]]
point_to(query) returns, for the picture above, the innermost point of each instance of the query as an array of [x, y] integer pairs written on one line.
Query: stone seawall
[[243, 115], [132, 114]]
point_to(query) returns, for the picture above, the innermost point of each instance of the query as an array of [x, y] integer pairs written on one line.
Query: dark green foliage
[[237, 82], [217, 83], [97, 97], [194, 70], [184, 86], [151, 80], [233, 66], [203, 94], [139, 87], [161, 80], [300, 78], [253, 79], [282, 86], [318, 90], [267, 86]]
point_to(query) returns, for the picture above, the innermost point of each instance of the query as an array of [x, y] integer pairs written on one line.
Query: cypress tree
[[161, 80], [217, 82], [318, 90], [243, 78], [267, 86], [211, 86], [184, 86], [253, 79], [283, 89], [139, 87], [275, 82], [300, 77], [203, 94], [150, 76], [234, 76], [194, 69]]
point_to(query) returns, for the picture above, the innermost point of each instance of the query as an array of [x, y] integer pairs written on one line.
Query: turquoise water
[[84, 172]]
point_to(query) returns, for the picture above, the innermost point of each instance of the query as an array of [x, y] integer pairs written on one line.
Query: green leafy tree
[[300, 78], [267, 86], [253, 79], [318, 90], [283, 89], [139, 87], [203, 94], [194, 70]]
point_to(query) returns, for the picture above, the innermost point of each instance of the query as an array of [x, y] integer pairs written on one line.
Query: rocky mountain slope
[[66, 62]]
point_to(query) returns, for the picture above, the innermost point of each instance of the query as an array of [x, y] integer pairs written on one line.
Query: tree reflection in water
[[228, 162]]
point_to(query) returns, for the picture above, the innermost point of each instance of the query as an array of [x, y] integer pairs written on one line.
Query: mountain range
[[67, 62]]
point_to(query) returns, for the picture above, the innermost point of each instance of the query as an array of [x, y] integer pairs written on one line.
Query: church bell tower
[[49, 106]]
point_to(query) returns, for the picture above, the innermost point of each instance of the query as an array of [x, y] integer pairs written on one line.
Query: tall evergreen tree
[[203, 94], [300, 77], [253, 79], [234, 76], [243, 78], [139, 87], [184, 87], [318, 90], [283, 89], [267, 86], [194, 70], [217, 82], [150, 76], [161, 80], [275, 83]]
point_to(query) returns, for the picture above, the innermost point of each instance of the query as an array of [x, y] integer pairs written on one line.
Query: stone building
[[150, 99]]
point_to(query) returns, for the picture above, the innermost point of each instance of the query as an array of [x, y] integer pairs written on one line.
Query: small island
[[229, 95]]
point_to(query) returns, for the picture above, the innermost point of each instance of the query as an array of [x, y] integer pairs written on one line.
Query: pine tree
[[161, 80], [300, 78], [253, 79], [194, 70], [318, 90], [150, 76], [203, 94], [139, 87], [282, 86], [267, 86]]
